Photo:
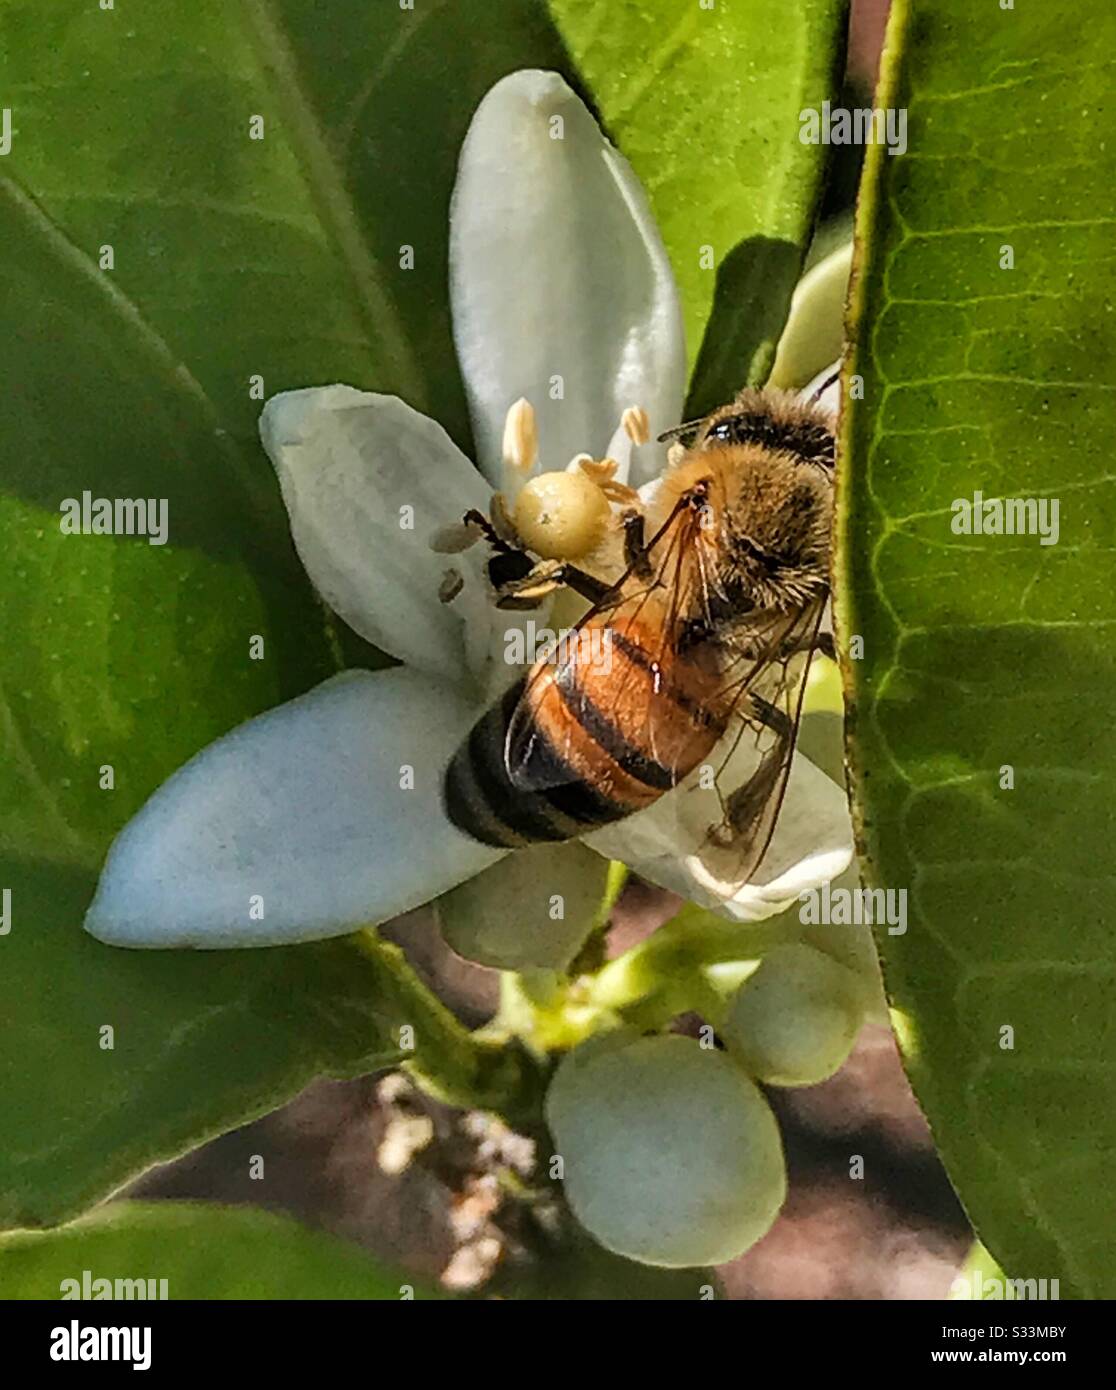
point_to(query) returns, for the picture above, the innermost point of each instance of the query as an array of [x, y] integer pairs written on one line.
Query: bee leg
[[741, 807], [477, 521], [498, 530], [589, 587], [636, 559], [822, 644], [527, 583], [543, 579], [528, 590], [774, 718], [744, 808]]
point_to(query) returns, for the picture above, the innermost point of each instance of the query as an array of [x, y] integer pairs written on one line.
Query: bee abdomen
[[482, 800]]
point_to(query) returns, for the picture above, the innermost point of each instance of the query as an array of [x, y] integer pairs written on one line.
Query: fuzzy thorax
[[764, 533]]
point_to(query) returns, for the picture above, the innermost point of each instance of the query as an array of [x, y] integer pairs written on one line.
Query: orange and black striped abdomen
[[591, 741]]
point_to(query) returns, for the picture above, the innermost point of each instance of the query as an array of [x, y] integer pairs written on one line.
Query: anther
[[601, 471], [452, 583], [456, 537], [635, 424], [521, 437]]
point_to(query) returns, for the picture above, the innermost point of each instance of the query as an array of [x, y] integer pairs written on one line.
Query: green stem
[[669, 963], [448, 1060]]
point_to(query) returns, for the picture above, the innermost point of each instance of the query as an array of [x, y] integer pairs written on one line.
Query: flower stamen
[[502, 521], [521, 438], [635, 424], [602, 473], [453, 581]]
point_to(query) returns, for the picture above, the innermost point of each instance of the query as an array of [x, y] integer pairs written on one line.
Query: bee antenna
[[688, 427], [824, 387]]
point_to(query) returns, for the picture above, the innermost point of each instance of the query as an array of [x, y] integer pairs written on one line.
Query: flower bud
[[795, 1019], [670, 1154]]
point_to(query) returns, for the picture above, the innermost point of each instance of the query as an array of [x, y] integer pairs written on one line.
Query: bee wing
[[768, 692], [649, 594]]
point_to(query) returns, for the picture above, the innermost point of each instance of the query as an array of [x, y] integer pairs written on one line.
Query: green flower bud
[[530, 911], [670, 1155], [794, 1021]]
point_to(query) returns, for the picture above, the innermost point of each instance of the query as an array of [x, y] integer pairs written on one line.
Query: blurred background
[[445, 1195]]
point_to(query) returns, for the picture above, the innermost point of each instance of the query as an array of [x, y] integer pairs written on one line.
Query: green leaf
[[989, 652], [202, 1251], [706, 103], [232, 258], [200, 1042], [269, 263]]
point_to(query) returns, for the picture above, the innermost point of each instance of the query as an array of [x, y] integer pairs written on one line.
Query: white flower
[[325, 814]]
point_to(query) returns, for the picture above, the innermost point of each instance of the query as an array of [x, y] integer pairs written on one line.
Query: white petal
[[639, 465], [830, 397], [349, 463], [558, 270], [649, 490], [812, 844], [298, 813], [621, 448]]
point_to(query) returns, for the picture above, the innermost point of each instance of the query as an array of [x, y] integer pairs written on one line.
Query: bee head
[[776, 420], [774, 527]]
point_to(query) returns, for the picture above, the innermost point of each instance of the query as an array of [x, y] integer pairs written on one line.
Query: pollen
[[561, 516]]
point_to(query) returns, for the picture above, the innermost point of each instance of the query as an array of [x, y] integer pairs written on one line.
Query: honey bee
[[725, 580]]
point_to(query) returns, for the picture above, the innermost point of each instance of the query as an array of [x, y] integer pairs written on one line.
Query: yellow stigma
[[561, 516]]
